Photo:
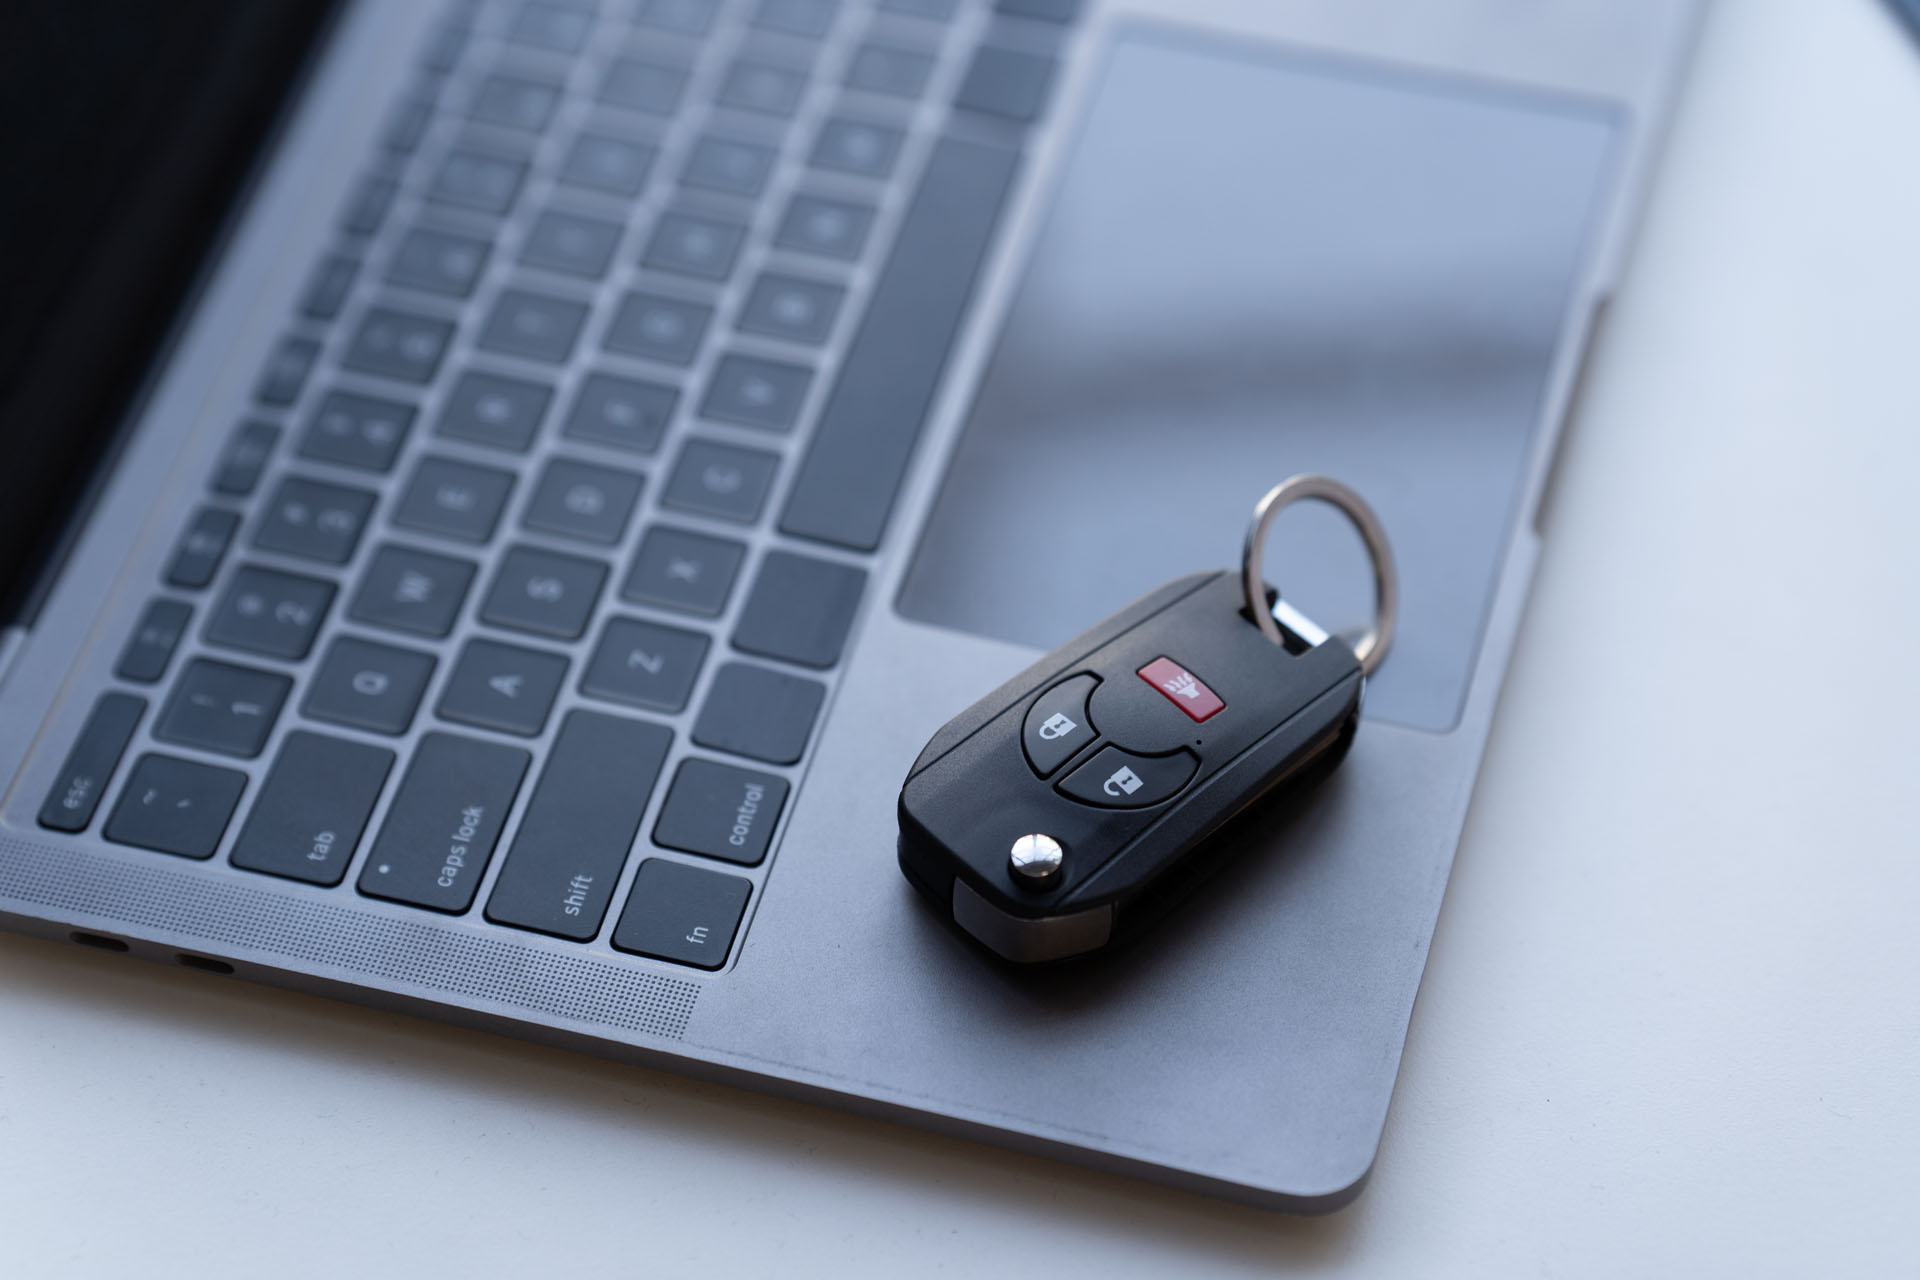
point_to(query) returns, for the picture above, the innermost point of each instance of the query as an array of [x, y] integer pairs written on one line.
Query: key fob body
[[1130, 747]]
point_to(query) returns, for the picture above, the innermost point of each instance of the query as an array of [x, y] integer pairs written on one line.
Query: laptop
[[607, 441]]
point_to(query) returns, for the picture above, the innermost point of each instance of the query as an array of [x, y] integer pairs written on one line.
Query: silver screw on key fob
[[1057, 815]]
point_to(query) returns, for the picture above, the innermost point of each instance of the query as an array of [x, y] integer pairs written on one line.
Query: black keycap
[[368, 686], [1041, 10], [440, 831], [438, 262], [1006, 82], [407, 126], [572, 244], [220, 707], [755, 392], [621, 412], [752, 85], [248, 449], [89, 766], [721, 480], [314, 520], [560, 872], [286, 371], [367, 206], [547, 26], [783, 306], [600, 162], [544, 592], [503, 687], [690, 572], [859, 147], [398, 344], [454, 499], [682, 914], [328, 286], [412, 590], [356, 431], [535, 326], [270, 612], [800, 609], [659, 328], [640, 85], [874, 415], [478, 180], [762, 714], [576, 500], [197, 557], [176, 806], [934, 10], [693, 245], [514, 102], [308, 818], [809, 18], [720, 811], [729, 165], [832, 228], [898, 73], [150, 648], [491, 409], [645, 664], [688, 17]]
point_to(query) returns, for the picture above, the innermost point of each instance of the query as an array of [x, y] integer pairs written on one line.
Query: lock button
[[1058, 724], [1116, 779]]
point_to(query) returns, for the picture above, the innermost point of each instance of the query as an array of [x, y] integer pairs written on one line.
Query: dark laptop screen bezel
[[128, 132]]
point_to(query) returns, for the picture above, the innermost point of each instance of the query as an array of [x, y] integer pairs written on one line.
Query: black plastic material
[[1288, 718]]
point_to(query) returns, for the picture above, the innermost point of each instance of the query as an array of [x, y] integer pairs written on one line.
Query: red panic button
[[1182, 688]]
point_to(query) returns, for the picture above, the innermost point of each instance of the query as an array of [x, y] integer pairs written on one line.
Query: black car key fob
[[1056, 816]]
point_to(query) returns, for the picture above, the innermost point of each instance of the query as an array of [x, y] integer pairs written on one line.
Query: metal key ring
[[1371, 647]]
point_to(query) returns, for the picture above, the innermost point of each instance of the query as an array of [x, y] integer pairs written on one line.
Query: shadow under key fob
[[1051, 818]]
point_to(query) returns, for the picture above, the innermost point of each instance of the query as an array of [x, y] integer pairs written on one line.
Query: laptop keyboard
[[560, 488]]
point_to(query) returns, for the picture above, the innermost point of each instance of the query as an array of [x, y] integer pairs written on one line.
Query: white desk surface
[[1672, 1020]]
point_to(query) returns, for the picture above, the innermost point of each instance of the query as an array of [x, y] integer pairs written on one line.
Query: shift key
[[573, 841], [444, 822]]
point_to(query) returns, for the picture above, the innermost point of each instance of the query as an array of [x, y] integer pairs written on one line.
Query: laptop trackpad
[[1255, 266]]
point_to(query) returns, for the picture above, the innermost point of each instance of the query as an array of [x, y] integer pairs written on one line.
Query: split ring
[[1371, 647]]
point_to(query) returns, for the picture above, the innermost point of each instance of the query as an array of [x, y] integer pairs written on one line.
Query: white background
[[1672, 1019]]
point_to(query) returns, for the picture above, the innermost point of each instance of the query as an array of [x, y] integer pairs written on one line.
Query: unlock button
[[1116, 779], [1058, 724]]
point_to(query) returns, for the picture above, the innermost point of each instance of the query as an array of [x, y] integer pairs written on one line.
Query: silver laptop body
[[1217, 243]]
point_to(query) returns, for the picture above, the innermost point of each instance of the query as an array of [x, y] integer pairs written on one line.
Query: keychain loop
[[1371, 647]]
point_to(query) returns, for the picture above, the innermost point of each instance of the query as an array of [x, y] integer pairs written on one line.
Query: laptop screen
[[126, 130]]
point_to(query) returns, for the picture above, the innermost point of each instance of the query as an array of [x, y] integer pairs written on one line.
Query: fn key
[[682, 914]]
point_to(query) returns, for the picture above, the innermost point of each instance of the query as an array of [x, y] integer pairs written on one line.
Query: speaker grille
[[419, 953]]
